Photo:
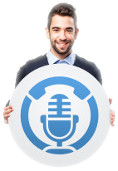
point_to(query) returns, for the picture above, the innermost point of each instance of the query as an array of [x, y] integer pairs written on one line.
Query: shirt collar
[[53, 59]]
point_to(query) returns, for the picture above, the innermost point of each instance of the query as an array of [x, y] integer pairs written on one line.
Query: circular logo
[[61, 114]]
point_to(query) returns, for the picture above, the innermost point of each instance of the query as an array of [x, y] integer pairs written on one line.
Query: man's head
[[62, 9], [62, 29]]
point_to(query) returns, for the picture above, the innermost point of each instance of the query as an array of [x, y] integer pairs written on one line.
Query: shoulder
[[35, 63], [89, 67], [30, 66]]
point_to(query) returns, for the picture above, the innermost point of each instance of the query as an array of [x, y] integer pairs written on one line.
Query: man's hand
[[112, 114], [6, 113]]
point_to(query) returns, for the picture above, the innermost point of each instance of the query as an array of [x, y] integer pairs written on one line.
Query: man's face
[[62, 34]]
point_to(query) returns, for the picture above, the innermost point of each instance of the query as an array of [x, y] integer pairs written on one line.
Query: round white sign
[[61, 114]]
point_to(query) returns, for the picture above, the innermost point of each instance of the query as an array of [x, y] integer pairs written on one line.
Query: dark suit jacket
[[42, 61]]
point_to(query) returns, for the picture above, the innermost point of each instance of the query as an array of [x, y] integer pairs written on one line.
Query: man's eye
[[56, 30], [69, 30]]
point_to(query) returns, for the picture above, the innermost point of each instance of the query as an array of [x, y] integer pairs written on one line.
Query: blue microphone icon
[[59, 127]]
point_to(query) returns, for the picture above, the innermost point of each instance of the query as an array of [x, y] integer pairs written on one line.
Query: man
[[62, 31]]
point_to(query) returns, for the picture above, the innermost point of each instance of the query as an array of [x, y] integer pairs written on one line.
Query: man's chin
[[62, 51]]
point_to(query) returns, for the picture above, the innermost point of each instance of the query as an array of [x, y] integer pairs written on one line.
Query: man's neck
[[60, 56]]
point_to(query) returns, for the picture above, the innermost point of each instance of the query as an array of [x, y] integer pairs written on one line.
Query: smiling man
[[62, 34], [62, 31]]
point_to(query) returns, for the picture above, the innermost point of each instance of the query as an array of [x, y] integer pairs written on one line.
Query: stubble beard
[[61, 52]]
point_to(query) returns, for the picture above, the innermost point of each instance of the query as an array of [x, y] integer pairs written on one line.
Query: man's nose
[[62, 35]]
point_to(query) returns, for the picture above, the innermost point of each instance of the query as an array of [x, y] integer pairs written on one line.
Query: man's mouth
[[62, 44]]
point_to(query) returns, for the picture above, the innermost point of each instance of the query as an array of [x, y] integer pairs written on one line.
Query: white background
[[22, 37]]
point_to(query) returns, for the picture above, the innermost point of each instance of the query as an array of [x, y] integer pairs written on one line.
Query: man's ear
[[47, 32], [76, 33]]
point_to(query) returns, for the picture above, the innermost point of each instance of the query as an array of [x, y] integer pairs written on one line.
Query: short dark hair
[[62, 9]]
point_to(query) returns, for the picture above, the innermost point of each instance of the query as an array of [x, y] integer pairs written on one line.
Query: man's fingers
[[7, 111], [5, 121], [6, 116], [112, 121], [110, 100], [8, 107], [112, 117], [112, 124]]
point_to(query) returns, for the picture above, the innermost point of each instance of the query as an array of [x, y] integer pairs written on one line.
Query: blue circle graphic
[[80, 90]]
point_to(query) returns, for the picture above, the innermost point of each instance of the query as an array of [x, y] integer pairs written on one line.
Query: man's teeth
[[62, 43]]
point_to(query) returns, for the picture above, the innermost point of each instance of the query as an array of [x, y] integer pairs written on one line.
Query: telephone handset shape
[[79, 89]]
